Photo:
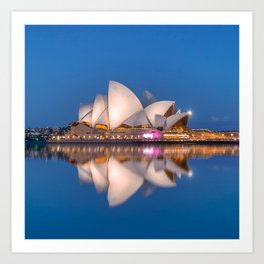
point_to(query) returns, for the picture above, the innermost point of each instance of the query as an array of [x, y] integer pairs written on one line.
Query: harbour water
[[132, 191]]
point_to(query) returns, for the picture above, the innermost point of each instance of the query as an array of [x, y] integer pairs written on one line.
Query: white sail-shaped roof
[[174, 119], [84, 110], [99, 174], [158, 108], [122, 103], [88, 117], [123, 182], [160, 121], [99, 106], [137, 119], [122, 106], [158, 177], [147, 98], [103, 118]]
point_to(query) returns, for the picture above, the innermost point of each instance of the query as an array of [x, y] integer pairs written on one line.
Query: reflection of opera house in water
[[121, 170]]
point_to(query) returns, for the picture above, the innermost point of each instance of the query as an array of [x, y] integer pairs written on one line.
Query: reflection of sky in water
[[61, 201]]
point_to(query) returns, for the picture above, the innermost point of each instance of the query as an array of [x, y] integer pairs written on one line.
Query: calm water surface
[[145, 191]]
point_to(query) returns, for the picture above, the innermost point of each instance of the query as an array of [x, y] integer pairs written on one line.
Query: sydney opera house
[[122, 116], [122, 109]]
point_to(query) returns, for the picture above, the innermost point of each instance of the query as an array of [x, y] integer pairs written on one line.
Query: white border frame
[[244, 243]]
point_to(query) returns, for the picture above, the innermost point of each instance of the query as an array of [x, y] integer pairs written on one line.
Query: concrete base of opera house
[[216, 137], [84, 134]]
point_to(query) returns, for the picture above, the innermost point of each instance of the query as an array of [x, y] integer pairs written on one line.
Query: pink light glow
[[148, 135], [152, 134]]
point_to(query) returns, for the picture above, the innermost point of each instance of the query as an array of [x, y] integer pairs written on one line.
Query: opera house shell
[[123, 109]]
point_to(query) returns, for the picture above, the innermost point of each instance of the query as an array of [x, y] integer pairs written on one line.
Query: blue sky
[[196, 66]]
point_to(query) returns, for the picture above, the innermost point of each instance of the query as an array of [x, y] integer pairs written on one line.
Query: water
[[145, 191]]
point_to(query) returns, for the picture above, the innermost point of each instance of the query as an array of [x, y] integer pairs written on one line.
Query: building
[[121, 116], [121, 110]]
